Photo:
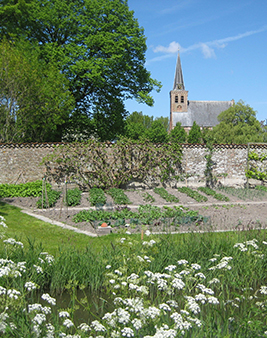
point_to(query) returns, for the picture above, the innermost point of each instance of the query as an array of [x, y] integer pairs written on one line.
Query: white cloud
[[207, 51], [172, 48], [207, 48]]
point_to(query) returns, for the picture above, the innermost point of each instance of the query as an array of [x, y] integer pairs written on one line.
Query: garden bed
[[244, 210]]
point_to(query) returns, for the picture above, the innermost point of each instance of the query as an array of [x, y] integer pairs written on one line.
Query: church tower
[[178, 96]]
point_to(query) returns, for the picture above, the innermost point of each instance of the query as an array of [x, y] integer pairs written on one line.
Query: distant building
[[185, 111]]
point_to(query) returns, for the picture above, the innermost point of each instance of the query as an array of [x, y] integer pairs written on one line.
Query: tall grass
[[191, 285]]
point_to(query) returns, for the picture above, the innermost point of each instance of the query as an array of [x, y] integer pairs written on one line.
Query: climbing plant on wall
[[96, 164], [257, 165]]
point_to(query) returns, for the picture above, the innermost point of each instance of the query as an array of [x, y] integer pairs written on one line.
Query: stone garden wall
[[20, 163]]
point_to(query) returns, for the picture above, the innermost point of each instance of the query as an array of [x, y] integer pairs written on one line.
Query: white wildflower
[[200, 275], [84, 327], [12, 241], [172, 303], [178, 283], [147, 233], [30, 286], [39, 318], [2, 290], [127, 332], [164, 307], [214, 281], [192, 304], [13, 294], [133, 276], [263, 290], [63, 314], [123, 316], [151, 312], [137, 323], [118, 272], [68, 323], [182, 262], [170, 268], [49, 299], [38, 268], [212, 300], [195, 266], [200, 297], [95, 325]]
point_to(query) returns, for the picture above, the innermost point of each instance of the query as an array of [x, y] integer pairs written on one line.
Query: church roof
[[205, 113], [178, 78]]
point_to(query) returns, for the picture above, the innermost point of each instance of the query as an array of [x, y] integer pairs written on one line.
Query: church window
[[182, 99], [176, 99]]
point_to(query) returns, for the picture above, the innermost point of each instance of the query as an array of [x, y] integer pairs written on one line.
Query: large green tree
[[195, 135], [136, 125], [34, 100], [157, 133], [238, 125], [178, 134], [97, 44], [139, 126]]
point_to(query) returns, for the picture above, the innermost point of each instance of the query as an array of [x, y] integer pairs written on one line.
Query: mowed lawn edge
[[52, 237]]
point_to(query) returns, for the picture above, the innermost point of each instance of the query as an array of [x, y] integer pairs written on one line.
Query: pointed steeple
[[178, 79]]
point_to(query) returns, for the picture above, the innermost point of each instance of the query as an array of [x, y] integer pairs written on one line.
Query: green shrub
[[164, 194], [118, 196], [73, 197], [23, 190], [97, 196], [52, 196]]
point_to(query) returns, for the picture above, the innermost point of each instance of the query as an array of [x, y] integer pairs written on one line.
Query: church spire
[[178, 79]]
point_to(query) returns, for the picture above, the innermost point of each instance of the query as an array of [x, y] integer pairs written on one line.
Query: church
[[185, 111]]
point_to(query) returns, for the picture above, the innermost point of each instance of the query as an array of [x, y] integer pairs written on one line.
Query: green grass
[[82, 261], [52, 237]]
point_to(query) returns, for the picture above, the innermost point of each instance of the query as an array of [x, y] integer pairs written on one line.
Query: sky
[[223, 50]]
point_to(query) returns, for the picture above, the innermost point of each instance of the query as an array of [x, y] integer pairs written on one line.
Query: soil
[[236, 214]]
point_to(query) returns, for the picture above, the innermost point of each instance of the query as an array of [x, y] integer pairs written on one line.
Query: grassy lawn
[[23, 227]]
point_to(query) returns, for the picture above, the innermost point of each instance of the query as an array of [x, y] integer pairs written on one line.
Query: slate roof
[[205, 113]]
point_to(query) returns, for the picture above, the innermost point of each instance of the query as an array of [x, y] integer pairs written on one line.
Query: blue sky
[[223, 49]]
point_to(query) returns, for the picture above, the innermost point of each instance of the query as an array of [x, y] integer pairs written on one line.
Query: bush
[[73, 197], [23, 190], [97, 196], [118, 196], [52, 196]]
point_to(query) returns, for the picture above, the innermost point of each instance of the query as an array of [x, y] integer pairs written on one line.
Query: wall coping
[[108, 144]]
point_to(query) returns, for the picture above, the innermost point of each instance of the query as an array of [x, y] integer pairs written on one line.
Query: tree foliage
[[157, 133], [238, 125], [34, 100], [195, 135], [99, 47], [139, 126], [178, 134]]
